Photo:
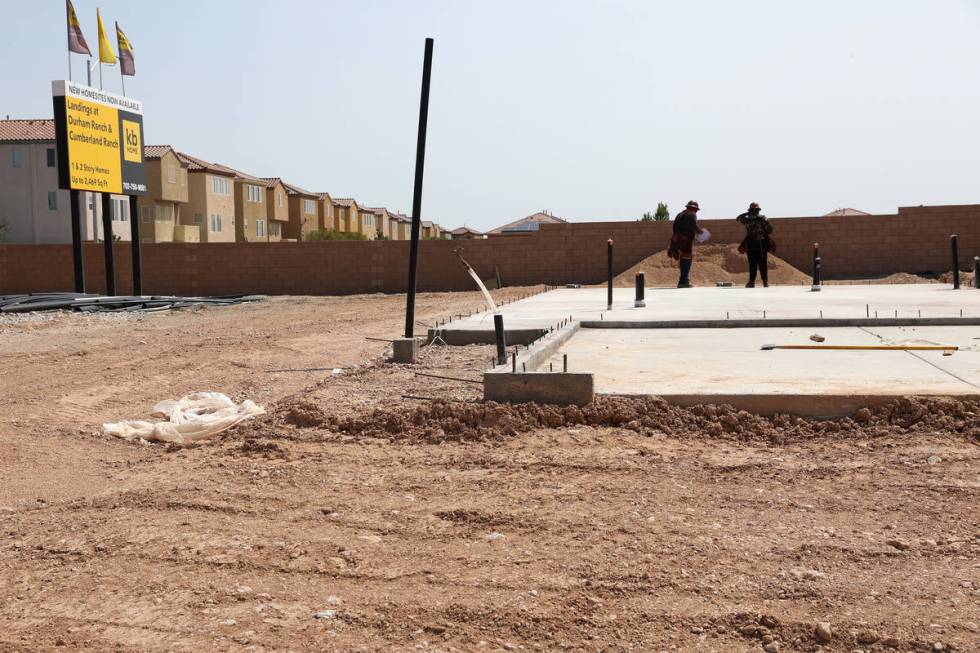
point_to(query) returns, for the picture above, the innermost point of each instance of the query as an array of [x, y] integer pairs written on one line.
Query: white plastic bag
[[195, 417], [703, 236]]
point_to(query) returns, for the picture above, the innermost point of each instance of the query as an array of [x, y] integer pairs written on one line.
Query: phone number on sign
[[138, 188]]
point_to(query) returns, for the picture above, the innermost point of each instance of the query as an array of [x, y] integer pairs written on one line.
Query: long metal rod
[[134, 235], [76, 240], [867, 347], [413, 256], [110, 267]]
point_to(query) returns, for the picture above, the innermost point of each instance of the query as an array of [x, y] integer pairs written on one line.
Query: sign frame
[[99, 140]]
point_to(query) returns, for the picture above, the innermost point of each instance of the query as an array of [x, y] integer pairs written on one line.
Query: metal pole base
[[405, 350], [815, 288], [639, 304]]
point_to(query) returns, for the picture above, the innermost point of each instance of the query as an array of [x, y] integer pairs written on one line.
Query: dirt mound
[[439, 421], [712, 263]]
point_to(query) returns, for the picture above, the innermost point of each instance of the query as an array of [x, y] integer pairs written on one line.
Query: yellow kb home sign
[[99, 140]]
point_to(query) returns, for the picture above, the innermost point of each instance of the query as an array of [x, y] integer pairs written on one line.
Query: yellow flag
[[106, 55]]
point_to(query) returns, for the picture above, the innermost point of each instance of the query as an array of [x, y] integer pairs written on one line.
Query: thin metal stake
[[564, 360], [514, 362]]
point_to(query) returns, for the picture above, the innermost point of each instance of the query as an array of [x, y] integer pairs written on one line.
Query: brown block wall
[[916, 239]]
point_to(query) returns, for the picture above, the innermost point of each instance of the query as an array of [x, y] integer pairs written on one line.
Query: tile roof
[[344, 201], [153, 152], [323, 195], [459, 231], [845, 211], [12, 131], [530, 223], [296, 190], [195, 164]]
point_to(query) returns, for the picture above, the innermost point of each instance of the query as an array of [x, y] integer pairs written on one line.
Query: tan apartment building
[[402, 226], [345, 215], [303, 212], [251, 214], [163, 210], [466, 233], [210, 199], [382, 221], [277, 205], [368, 222], [326, 216]]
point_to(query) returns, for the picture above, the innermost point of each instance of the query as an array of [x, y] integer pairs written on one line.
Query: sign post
[[99, 141]]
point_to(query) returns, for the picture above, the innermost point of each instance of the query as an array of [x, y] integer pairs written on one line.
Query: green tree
[[662, 214], [331, 234], [3, 231], [647, 217]]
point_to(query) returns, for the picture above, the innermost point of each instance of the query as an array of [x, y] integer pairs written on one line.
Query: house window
[[279, 199], [52, 161], [146, 214], [52, 200], [172, 174], [368, 220], [215, 222], [309, 206], [219, 185], [198, 218], [273, 228], [164, 213], [254, 194], [329, 210], [260, 228], [120, 210], [15, 158]]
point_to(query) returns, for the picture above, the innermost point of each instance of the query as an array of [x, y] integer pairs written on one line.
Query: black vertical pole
[[110, 268], [956, 262], [640, 290], [976, 271], [413, 256], [76, 240], [816, 267], [609, 264], [498, 327], [134, 235]]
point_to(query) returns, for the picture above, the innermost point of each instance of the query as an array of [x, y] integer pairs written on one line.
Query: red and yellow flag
[[127, 64], [76, 40], [106, 55]]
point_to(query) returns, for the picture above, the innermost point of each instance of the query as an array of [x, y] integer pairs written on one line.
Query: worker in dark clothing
[[757, 244], [681, 246]]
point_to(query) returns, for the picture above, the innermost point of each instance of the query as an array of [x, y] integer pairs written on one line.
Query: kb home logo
[[132, 150]]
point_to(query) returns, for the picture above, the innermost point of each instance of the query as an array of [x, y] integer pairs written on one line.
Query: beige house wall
[[277, 203], [326, 215], [301, 221], [203, 202], [249, 212]]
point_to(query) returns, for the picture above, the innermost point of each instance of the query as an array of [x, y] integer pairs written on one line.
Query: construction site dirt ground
[[377, 510]]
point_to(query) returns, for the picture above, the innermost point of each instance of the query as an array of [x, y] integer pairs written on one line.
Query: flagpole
[[69, 66], [122, 78], [100, 72]]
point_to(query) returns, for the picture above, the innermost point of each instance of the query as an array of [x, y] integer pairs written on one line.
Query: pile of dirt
[[440, 421], [712, 263]]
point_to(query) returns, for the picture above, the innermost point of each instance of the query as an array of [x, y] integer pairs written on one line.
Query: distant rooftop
[[530, 223], [845, 211]]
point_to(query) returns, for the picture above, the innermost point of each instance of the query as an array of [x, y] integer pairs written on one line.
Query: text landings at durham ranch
[[99, 140]]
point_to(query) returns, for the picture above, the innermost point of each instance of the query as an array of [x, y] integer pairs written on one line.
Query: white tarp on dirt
[[195, 417]]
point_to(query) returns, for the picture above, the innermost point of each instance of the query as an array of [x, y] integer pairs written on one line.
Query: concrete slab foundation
[[703, 346]]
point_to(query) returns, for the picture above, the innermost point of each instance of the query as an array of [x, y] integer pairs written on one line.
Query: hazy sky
[[594, 110]]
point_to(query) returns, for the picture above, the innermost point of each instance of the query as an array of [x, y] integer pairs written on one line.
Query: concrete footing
[[405, 350], [540, 387]]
